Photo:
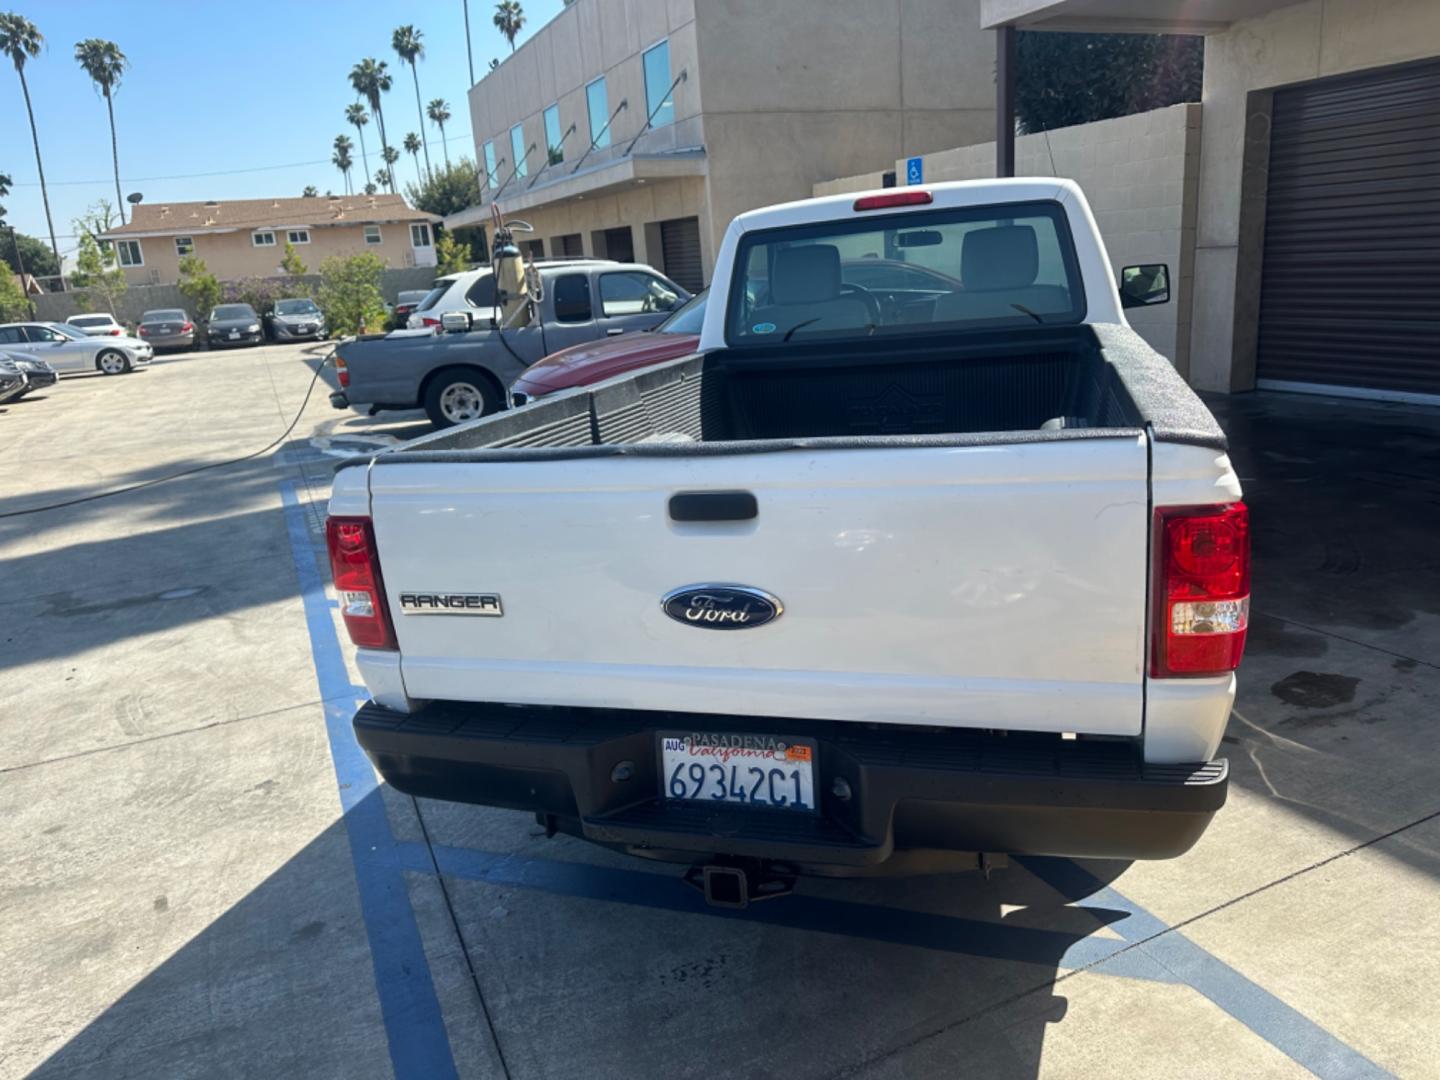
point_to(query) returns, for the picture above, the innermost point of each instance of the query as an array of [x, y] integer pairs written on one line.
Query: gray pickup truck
[[459, 376]]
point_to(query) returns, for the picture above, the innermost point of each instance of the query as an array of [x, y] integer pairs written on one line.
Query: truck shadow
[[598, 968]]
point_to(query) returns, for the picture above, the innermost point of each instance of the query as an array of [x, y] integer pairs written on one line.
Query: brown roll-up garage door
[[1351, 274], [680, 246]]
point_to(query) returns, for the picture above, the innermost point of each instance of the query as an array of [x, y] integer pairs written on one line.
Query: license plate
[[756, 770], [234, 335]]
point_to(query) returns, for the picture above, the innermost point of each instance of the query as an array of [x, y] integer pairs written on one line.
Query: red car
[[581, 365]]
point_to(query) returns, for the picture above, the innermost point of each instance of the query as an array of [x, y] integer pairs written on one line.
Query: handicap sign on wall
[[915, 171]]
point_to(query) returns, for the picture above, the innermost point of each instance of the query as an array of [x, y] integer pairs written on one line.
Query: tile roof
[[181, 218]]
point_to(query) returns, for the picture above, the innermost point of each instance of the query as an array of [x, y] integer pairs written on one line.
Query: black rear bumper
[[595, 772]]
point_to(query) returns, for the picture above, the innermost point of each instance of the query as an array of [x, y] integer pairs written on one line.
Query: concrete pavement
[[202, 879]]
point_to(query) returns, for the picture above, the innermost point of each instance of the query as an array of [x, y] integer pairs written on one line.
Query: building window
[[420, 234], [298, 236], [184, 245], [659, 104], [372, 234], [263, 238], [598, 103], [491, 180], [517, 149], [535, 248], [553, 138], [129, 253]]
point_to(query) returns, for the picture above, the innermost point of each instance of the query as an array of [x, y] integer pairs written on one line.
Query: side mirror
[[1141, 286], [455, 322]]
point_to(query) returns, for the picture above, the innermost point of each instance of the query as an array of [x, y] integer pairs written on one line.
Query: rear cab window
[[890, 275]]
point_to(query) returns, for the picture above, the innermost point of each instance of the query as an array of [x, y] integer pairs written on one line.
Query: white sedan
[[67, 349]]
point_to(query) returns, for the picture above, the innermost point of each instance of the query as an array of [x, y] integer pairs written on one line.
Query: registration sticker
[[763, 328]]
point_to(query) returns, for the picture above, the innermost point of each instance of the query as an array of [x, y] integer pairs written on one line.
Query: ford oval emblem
[[722, 607]]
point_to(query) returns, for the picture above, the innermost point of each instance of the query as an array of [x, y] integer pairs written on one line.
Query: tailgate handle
[[713, 506]]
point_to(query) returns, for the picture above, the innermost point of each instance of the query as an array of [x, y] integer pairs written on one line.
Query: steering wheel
[[866, 297]]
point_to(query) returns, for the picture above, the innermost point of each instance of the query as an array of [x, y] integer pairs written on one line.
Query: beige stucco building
[[240, 238], [1310, 208], [700, 109]]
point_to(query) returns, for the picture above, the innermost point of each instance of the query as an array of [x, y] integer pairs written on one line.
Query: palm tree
[[357, 115], [412, 147], [105, 64], [21, 41], [509, 18], [439, 111], [371, 79], [342, 160], [382, 177], [391, 156], [406, 42], [469, 53]]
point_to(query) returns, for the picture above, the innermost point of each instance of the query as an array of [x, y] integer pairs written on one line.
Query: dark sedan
[[233, 324], [39, 373]]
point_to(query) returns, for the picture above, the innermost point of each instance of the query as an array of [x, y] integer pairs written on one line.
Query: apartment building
[[636, 129]]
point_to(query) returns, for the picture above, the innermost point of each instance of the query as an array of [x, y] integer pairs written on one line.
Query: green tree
[[350, 292], [391, 156], [199, 286], [106, 64], [509, 18], [355, 114], [21, 41], [406, 42], [382, 177], [439, 112], [412, 147], [14, 305], [370, 79], [292, 263], [447, 190], [35, 256], [100, 281], [451, 256], [1067, 79], [310, 192], [342, 160]]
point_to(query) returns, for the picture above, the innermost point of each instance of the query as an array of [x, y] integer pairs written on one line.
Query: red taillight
[[897, 198], [187, 328], [342, 373], [116, 332], [144, 332], [1202, 590], [355, 566], [425, 320]]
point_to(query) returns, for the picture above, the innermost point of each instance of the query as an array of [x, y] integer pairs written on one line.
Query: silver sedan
[[67, 349]]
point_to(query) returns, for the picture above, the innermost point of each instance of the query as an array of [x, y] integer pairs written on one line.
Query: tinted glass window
[[517, 150], [482, 293], [91, 320], [233, 311], [11, 335], [1010, 265], [598, 105], [433, 296], [571, 295], [658, 101], [635, 293], [553, 137], [687, 319], [164, 315]]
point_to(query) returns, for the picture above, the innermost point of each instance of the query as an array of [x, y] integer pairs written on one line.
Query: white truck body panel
[[987, 587]]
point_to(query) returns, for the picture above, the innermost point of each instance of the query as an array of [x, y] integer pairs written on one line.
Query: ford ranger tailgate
[[983, 586]]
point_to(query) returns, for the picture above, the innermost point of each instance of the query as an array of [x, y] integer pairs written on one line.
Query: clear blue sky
[[220, 87]]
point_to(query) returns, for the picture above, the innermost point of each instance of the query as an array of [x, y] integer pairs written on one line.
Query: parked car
[[167, 328], [14, 383], [594, 361], [97, 324], [233, 324], [458, 376], [470, 291], [963, 577], [68, 349], [295, 319], [405, 303], [38, 373]]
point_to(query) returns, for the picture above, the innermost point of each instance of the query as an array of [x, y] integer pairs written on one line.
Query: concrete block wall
[[1140, 174]]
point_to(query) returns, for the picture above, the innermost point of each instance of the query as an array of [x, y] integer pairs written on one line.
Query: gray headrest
[[1005, 257], [805, 275]]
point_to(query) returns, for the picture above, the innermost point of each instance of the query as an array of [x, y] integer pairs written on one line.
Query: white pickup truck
[[927, 560]]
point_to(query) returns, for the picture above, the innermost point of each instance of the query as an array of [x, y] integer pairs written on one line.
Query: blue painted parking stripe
[[1289, 1031], [414, 1027]]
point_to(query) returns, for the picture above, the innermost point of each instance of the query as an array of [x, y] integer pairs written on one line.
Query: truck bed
[[1046, 384]]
